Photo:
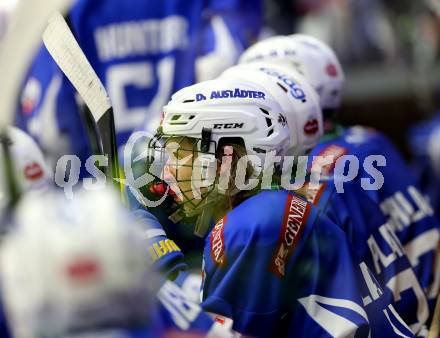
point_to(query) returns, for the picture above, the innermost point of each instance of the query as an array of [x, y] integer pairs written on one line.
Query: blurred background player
[[399, 197], [424, 143], [67, 269], [423, 137], [359, 216], [142, 53], [78, 268]]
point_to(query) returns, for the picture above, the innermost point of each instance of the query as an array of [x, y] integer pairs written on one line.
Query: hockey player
[[78, 268], [393, 187], [272, 265], [31, 175], [368, 232], [142, 51]]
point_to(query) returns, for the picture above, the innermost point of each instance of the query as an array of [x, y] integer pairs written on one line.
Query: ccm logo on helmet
[[228, 125]]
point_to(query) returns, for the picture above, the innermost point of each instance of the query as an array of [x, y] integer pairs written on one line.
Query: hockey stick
[[67, 53], [434, 330], [91, 129], [17, 50]]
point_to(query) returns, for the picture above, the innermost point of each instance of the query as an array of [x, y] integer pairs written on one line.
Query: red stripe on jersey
[[295, 217], [217, 240], [314, 195], [331, 150]]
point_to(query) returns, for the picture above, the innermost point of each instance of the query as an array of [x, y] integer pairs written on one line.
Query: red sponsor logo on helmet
[[331, 70], [83, 270], [218, 243], [31, 96], [33, 171], [295, 217], [311, 127]]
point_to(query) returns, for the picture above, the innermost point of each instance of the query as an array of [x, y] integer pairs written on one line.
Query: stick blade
[[69, 56]]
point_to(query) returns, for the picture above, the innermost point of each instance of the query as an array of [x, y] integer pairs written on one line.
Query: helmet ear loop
[[228, 165], [225, 178], [199, 148]]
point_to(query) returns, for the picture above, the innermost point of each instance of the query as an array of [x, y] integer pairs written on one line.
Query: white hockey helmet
[[7, 8], [213, 113], [74, 265], [298, 100], [31, 171], [228, 108], [310, 57]]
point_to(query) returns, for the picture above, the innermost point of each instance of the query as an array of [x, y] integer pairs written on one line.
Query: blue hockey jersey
[[179, 314], [173, 315], [115, 333], [166, 256], [376, 249], [423, 140], [396, 191], [143, 51], [277, 268], [177, 310]]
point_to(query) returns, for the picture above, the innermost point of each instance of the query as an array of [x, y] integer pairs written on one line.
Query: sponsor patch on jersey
[[331, 150], [217, 239], [223, 321], [162, 248], [295, 217]]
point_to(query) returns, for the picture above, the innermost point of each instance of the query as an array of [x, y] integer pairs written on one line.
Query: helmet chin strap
[[203, 213], [206, 213]]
